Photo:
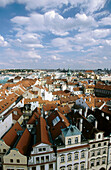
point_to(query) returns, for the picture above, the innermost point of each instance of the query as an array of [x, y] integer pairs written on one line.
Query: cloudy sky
[[72, 34]]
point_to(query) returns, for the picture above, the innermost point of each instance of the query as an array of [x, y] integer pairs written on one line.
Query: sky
[[46, 34]]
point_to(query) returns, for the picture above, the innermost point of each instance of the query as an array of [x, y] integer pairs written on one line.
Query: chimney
[[107, 117], [86, 110], [96, 124], [80, 124], [80, 111]]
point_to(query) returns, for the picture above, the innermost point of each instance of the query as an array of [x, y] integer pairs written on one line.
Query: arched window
[[69, 141]]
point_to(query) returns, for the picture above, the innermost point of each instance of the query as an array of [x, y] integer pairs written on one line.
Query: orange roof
[[11, 136], [63, 123], [104, 87], [89, 71], [42, 135], [4, 104], [48, 107], [77, 89], [64, 109], [24, 142]]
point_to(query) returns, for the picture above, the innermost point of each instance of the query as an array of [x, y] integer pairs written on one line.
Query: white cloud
[[3, 43], [105, 20], [55, 58], [3, 3], [53, 22], [33, 54], [105, 58], [87, 5]]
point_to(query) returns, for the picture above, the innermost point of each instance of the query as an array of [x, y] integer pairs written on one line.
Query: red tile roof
[[42, 135], [11, 136], [63, 123], [24, 142]]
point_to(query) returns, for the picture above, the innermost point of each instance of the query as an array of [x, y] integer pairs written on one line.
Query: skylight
[[55, 121]]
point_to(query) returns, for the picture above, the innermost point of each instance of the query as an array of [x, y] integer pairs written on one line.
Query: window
[[75, 167], [92, 164], [40, 150], [37, 160], [33, 168], [69, 141], [69, 157], [62, 158], [76, 156], [99, 144], [103, 161], [42, 159], [76, 140], [82, 166], [105, 143], [18, 161], [93, 154], [98, 162], [98, 153], [93, 146], [4, 150], [99, 136], [55, 121], [82, 154], [62, 168], [69, 168], [50, 166], [44, 149], [11, 160], [47, 158], [42, 167]]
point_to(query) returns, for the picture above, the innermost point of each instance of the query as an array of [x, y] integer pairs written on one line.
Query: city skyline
[[55, 34]]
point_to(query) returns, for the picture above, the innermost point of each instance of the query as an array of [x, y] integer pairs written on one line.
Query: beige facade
[[14, 160], [98, 152], [3, 149]]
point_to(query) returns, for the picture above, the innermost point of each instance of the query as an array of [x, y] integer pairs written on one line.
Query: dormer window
[[76, 140], [99, 136], [69, 141]]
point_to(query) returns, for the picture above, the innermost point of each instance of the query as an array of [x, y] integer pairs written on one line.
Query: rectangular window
[[92, 164], [76, 140], [75, 167], [18, 161], [33, 168], [37, 160], [42, 167], [76, 156], [98, 162], [47, 158], [103, 161], [82, 155], [104, 151], [11, 160], [42, 159], [50, 166], [69, 157], [82, 166], [62, 158], [4, 150]]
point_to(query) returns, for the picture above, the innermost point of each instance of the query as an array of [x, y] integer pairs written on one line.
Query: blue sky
[[55, 34]]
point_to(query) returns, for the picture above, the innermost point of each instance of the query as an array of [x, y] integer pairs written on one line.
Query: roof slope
[[11, 136], [24, 142], [42, 135]]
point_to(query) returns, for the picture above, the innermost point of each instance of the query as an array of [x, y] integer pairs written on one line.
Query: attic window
[[55, 121], [69, 141], [99, 136]]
